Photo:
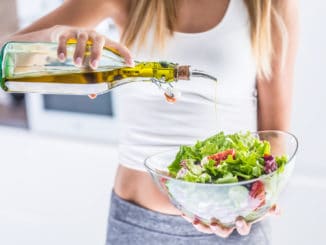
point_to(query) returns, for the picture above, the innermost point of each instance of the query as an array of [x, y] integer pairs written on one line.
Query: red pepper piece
[[220, 156], [257, 194]]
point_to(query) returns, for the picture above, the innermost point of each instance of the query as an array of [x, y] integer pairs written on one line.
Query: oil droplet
[[92, 96], [170, 99], [216, 114]]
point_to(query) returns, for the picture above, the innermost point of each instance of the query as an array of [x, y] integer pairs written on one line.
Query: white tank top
[[148, 124]]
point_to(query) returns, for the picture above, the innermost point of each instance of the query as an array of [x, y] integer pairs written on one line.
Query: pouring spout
[[198, 73]]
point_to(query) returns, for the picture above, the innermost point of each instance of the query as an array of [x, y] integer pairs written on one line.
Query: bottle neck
[[184, 72]]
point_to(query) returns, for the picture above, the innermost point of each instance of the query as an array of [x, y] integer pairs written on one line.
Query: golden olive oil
[[30, 67]]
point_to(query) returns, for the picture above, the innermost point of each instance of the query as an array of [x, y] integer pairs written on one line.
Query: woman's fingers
[[98, 42], [82, 38], [122, 50], [197, 224], [221, 230], [214, 227], [201, 227], [62, 34], [275, 210], [242, 226], [62, 44], [186, 218]]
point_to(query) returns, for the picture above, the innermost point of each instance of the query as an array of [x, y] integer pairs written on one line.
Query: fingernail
[[61, 57], [94, 64], [78, 61], [196, 221], [130, 62], [239, 224], [214, 226]]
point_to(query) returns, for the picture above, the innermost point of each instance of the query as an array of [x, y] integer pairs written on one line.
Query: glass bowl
[[249, 199]]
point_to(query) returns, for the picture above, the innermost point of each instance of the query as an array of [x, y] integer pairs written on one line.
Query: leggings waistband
[[133, 214]]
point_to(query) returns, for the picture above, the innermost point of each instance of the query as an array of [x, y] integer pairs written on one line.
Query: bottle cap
[[183, 72]]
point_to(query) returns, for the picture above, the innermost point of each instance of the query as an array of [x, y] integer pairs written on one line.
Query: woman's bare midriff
[[138, 187]]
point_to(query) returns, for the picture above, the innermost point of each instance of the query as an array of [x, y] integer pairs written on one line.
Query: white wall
[[309, 115]]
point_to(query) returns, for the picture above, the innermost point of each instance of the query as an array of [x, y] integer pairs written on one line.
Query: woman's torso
[[149, 125]]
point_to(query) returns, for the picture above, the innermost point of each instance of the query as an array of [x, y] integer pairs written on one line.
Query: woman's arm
[[275, 95], [74, 19], [78, 13]]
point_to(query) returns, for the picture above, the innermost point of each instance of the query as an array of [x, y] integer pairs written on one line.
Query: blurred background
[[59, 155]]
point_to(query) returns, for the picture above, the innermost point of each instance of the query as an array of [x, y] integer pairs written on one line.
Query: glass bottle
[[33, 67]]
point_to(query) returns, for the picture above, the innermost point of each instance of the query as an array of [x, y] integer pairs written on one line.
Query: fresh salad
[[226, 158]]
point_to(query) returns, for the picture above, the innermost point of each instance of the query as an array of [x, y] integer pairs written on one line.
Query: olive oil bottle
[[30, 67]]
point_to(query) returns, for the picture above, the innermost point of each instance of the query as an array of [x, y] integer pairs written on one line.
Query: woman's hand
[[242, 227], [62, 34]]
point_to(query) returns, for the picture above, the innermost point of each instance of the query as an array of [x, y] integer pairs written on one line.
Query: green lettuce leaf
[[248, 162]]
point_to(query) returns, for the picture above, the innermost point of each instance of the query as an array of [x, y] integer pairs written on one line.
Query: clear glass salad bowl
[[249, 199]]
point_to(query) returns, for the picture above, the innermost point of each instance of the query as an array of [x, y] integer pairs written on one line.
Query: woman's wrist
[[44, 35]]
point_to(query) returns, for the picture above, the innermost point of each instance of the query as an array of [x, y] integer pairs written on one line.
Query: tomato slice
[[257, 194], [220, 156]]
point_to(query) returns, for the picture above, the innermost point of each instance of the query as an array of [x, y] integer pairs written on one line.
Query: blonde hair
[[265, 21]]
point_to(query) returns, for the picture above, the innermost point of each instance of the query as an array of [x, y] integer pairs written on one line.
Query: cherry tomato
[[257, 194]]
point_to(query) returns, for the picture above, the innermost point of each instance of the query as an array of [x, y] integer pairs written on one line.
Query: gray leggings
[[134, 225]]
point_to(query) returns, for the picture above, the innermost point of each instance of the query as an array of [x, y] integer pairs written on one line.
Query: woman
[[250, 45]]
